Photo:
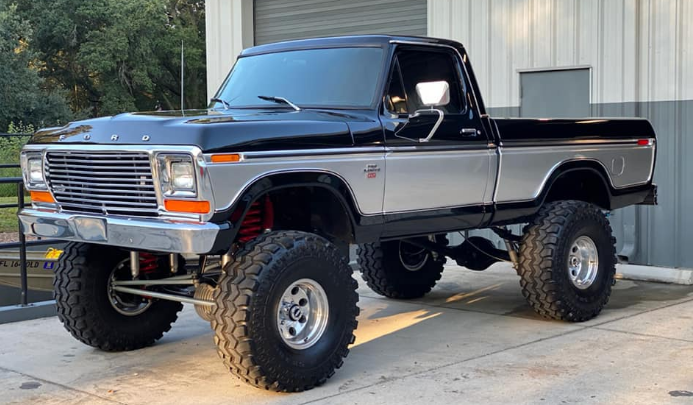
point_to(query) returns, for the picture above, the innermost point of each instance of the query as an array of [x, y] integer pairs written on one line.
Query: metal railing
[[22, 243]]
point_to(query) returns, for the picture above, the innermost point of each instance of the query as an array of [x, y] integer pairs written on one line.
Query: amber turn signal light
[[192, 207], [41, 197], [226, 158]]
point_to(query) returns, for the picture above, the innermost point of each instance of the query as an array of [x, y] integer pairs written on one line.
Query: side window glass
[[396, 98], [430, 66]]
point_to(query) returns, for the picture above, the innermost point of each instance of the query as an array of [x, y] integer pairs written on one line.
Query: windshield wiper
[[223, 102], [280, 100]]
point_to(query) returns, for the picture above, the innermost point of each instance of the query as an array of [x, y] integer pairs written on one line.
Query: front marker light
[[182, 176]]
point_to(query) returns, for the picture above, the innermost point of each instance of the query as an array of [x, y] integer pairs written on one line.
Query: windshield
[[336, 77]]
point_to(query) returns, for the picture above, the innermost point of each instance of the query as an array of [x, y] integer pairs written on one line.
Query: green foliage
[[8, 216], [74, 59], [9, 154], [113, 56], [20, 128], [22, 93]]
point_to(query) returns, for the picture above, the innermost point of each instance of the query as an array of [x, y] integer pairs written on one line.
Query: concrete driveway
[[472, 340]]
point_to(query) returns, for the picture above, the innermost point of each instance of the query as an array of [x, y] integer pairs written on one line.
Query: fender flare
[[616, 197], [521, 211], [361, 225], [572, 166]]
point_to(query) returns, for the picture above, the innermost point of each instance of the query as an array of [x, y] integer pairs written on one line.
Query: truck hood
[[213, 130]]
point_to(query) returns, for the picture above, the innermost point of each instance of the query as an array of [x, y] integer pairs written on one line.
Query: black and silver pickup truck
[[247, 209]]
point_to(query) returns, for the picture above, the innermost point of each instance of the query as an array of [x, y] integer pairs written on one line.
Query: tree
[[23, 96], [120, 55], [186, 23]]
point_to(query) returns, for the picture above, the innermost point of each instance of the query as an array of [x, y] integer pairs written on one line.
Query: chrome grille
[[102, 182]]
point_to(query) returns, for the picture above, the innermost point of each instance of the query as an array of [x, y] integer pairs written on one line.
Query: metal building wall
[[641, 57], [229, 30], [282, 20]]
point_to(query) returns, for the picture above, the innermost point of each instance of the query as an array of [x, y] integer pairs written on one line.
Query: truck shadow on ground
[[498, 292]]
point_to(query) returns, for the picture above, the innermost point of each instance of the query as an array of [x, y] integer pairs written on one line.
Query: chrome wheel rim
[[583, 262], [302, 314], [413, 258], [125, 304]]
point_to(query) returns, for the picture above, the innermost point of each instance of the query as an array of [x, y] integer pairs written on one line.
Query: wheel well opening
[[312, 209], [582, 185]]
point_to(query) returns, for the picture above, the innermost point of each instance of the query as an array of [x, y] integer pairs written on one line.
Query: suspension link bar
[[188, 281], [170, 297]]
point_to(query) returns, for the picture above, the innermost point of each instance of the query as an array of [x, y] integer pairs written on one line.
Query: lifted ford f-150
[[247, 209]]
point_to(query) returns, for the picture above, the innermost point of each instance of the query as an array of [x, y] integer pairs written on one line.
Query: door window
[[396, 99], [429, 66]]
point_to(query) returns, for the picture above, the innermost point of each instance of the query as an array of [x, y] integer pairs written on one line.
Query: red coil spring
[[259, 217], [148, 263]]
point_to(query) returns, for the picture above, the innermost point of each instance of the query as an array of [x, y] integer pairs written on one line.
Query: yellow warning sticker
[[53, 253]]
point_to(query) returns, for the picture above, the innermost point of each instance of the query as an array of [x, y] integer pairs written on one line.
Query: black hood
[[213, 130]]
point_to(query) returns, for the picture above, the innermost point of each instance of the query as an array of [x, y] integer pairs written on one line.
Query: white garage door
[[281, 20]]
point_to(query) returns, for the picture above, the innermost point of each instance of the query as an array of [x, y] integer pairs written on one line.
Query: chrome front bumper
[[140, 233]]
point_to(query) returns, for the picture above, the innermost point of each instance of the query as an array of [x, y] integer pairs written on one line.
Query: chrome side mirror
[[433, 94]]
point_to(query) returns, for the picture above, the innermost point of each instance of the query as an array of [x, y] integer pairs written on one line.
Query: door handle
[[469, 132]]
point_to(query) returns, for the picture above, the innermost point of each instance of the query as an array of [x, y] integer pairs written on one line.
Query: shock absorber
[[259, 217]]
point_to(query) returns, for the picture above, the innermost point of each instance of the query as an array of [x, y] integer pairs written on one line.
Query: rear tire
[[83, 301], [568, 261], [390, 271], [286, 311]]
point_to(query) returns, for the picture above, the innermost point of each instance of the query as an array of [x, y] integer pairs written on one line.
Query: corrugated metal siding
[[641, 54], [229, 29], [640, 50], [281, 20]]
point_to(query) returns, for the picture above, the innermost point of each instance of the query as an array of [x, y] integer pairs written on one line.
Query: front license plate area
[[90, 229]]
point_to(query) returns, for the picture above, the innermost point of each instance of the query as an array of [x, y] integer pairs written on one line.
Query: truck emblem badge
[[145, 138], [87, 137], [371, 171], [61, 138], [114, 137]]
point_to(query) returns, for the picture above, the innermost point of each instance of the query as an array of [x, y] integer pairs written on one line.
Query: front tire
[[396, 269], [286, 311], [96, 316], [568, 261]]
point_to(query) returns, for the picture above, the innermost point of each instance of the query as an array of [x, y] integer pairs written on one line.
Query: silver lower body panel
[[142, 234]]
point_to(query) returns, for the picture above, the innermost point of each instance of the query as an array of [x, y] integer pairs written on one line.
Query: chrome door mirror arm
[[441, 115], [418, 113]]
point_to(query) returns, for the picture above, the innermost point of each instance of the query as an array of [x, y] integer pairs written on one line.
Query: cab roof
[[345, 41]]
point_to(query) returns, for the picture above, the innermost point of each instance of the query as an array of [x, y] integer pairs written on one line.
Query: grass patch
[[10, 147], [8, 216]]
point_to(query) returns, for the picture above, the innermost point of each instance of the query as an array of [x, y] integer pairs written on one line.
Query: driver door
[[447, 178]]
